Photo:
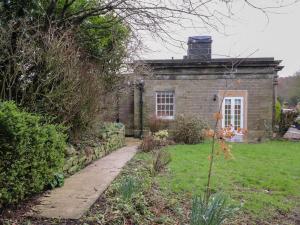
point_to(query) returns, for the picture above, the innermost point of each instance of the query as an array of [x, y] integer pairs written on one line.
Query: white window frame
[[232, 111], [156, 111]]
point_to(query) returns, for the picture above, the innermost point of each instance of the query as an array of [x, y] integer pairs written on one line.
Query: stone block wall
[[113, 137], [194, 96]]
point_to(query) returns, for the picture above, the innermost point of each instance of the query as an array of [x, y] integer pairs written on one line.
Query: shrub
[[161, 135], [215, 212], [156, 141], [31, 153], [161, 159], [277, 112], [148, 144], [287, 119], [189, 130], [156, 124]]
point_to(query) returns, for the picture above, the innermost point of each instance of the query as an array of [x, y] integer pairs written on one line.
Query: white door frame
[[232, 111]]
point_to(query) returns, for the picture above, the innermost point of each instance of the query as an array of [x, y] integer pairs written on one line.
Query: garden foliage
[[286, 120], [277, 112], [161, 159], [213, 212], [65, 69], [128, 187], [155, 141], [156, 124], [189, 130], [161, 135], [31, 153], [148, 144]]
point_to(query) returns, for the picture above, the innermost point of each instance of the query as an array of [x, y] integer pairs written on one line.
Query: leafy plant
[[57, 181], [31, 153], [161, 135], [189, 130], [213, 212], [127, 187], [161, 159]]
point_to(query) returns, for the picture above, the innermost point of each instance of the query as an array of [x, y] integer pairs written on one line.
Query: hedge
[[31, 153]]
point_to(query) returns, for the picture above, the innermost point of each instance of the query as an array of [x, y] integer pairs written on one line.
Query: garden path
[[82, 189]]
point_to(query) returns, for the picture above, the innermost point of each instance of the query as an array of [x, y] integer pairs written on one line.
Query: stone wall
[[112, 138]]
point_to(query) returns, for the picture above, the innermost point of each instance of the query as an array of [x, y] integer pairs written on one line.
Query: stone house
[[197, 85]]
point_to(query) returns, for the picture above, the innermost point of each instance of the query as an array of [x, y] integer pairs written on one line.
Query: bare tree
[[154, 16]]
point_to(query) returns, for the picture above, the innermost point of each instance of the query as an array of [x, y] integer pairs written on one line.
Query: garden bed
[[264, 178]]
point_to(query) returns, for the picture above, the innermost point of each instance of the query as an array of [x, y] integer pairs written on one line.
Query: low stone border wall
[[113, 137]]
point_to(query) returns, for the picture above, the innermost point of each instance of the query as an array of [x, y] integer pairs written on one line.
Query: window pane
[[237, 114], [227, 116]]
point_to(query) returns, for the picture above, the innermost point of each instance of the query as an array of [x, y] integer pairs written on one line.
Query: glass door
[[232, 111]]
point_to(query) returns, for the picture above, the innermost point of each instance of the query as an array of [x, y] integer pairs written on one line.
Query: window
[[165, 104]]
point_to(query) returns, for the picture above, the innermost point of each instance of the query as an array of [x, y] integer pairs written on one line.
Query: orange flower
[[226, 149], [210, 133]]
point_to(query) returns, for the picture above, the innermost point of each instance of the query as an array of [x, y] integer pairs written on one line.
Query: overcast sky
[[251, 32]]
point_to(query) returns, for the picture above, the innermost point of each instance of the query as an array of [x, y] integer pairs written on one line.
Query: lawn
[[264, 177]]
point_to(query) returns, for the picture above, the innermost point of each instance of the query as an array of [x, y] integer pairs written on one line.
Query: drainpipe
[[275, 84], [141, 89]]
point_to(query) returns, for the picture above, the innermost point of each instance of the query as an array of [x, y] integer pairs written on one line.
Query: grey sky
[[251, 32]]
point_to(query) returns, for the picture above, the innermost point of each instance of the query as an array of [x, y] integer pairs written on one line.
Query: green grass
[[264, 177]]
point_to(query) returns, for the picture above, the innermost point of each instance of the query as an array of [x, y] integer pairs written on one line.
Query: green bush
[[189, 130], [277, 112], [31, 153]]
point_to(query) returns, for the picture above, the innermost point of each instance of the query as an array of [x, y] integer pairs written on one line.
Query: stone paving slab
[[83, 188]]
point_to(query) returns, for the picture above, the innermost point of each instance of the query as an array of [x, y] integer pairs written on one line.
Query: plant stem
[[207, 194]]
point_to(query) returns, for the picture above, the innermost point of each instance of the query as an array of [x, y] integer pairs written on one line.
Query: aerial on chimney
[[199, 47]]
